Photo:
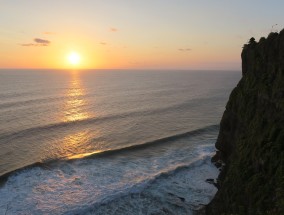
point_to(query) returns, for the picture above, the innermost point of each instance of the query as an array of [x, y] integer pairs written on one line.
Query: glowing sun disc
[[74, 58]]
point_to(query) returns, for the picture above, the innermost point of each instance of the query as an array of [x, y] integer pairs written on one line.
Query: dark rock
[[251, 137], [210, 180]]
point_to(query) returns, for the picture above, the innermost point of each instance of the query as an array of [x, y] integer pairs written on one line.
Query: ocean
[[109, 141]]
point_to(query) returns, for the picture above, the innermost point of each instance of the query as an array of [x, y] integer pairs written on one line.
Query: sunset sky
[[133, 34]]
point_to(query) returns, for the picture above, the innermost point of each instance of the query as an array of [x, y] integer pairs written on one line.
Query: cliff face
[[251, 137]]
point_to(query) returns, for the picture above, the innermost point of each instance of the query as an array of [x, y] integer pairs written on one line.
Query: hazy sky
[[154, 34]]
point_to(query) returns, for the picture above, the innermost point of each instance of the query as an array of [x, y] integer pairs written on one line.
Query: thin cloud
[[37, 42], [103, 43], [42, 41], [28, 44], [113, 29], [185, 50]]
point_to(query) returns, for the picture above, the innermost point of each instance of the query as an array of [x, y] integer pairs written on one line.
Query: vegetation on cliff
[[251, 137]]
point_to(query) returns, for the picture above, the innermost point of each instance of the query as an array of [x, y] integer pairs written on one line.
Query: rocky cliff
[[251, 137]]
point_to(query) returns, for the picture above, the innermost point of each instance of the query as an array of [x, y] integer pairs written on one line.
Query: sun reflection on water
[[80, 144], [77, 143], [85, 154], [74, 106]]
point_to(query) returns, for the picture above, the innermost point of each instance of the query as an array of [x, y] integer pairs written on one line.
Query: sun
[[74, 58]]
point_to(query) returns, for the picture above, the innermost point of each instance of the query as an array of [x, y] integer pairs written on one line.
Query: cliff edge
[[251, 137]]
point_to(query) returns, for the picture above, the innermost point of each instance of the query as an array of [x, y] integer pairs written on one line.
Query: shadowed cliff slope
[[251, 137]]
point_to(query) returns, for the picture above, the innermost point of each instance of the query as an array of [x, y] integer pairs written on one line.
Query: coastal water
[[109, 142]]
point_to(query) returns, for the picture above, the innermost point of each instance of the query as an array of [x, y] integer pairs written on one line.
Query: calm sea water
[[109, 142]]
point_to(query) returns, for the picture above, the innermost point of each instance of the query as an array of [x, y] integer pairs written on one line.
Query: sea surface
[[109, 141]]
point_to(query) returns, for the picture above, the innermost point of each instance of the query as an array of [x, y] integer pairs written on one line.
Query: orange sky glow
[[131, 34]]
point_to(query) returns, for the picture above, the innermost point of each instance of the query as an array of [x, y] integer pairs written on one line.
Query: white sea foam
[[97, 185], [180, 193]]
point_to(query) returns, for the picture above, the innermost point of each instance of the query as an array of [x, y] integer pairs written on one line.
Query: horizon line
[[137, 69]]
